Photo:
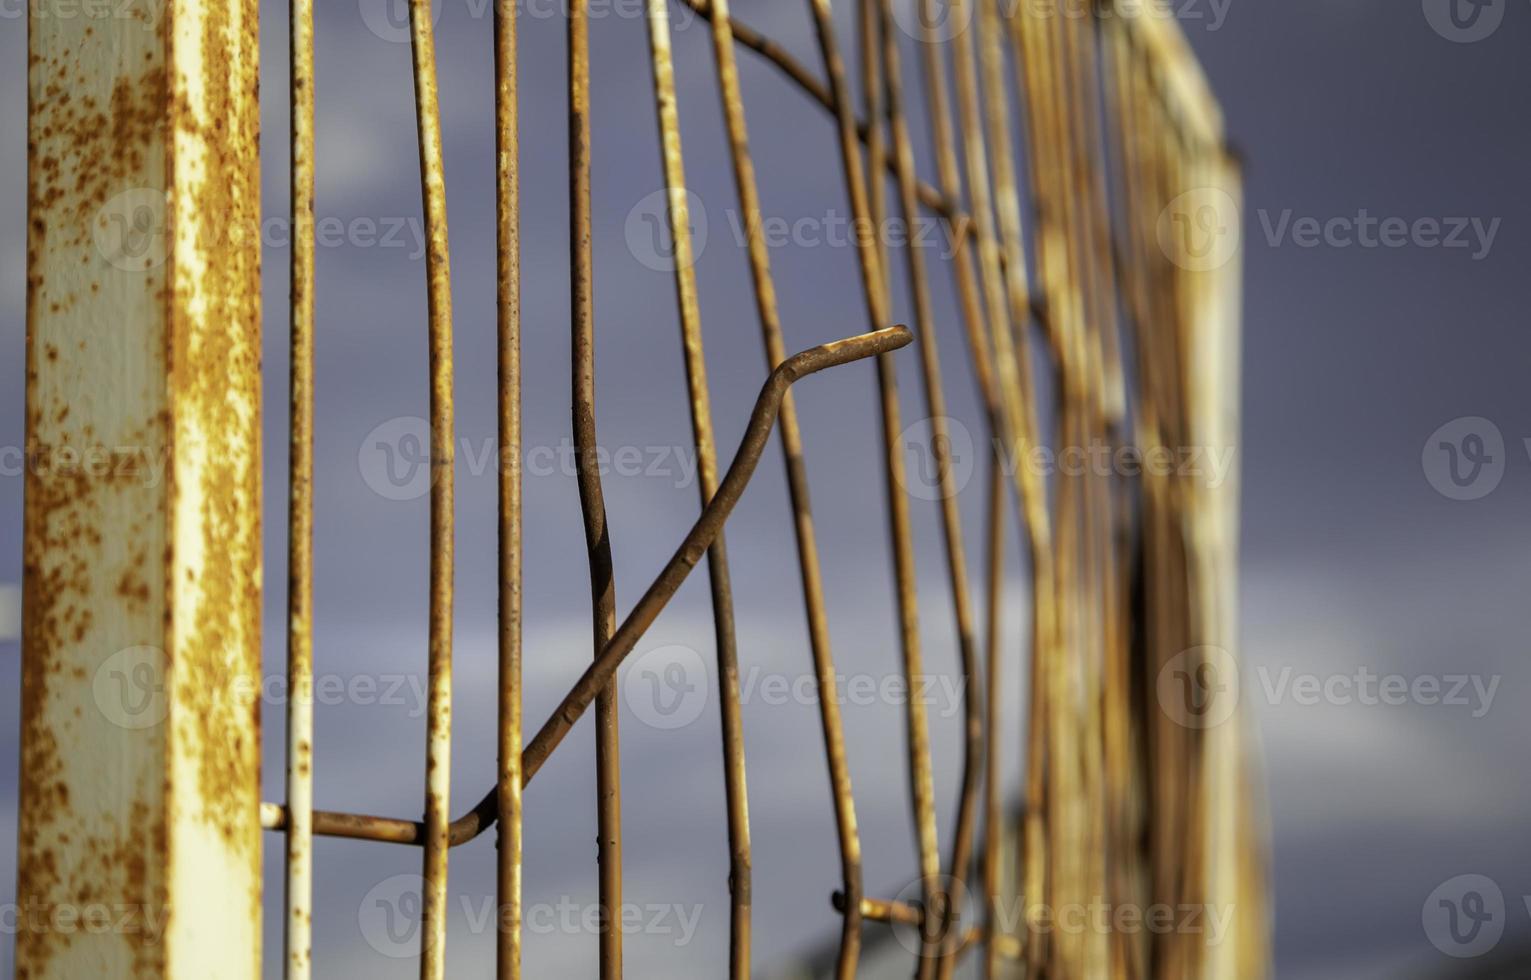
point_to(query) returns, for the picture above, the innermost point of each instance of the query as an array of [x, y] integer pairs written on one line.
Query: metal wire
[[298, 926], [438, 755], [508, 880], [707, 473], [608, 750], [1087, 87]]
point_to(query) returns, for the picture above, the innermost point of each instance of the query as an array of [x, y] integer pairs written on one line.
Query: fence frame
[[144, 336]]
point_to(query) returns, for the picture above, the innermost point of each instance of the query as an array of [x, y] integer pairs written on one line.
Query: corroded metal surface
[[438, 754], [298, 937], [508, 880], [141, 636]]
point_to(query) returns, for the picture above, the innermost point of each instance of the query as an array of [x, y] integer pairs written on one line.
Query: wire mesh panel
[[1082, 174]]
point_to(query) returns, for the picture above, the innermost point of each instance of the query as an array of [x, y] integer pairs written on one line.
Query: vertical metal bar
[[873, 287], [508, 882], [797, 473], [300, 527], [142, 549], [936, 928], [608, 759], [438, 757], [994, 777], [735, 785], [868, 44]]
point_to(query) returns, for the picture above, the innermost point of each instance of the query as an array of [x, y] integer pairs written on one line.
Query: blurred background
[[1385, 467]]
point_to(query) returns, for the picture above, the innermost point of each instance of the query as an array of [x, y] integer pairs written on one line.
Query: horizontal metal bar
[[878, 910]]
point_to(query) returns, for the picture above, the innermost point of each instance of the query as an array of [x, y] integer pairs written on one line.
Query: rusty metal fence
[[1109, 278]]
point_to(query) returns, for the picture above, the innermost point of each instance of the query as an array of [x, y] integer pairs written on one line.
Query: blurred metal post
[[142, 582]]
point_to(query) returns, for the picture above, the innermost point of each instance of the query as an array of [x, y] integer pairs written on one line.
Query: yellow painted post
[[139, 848]]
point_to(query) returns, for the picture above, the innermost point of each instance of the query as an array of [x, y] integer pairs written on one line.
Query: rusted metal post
[[298, 929], [141, 638]]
